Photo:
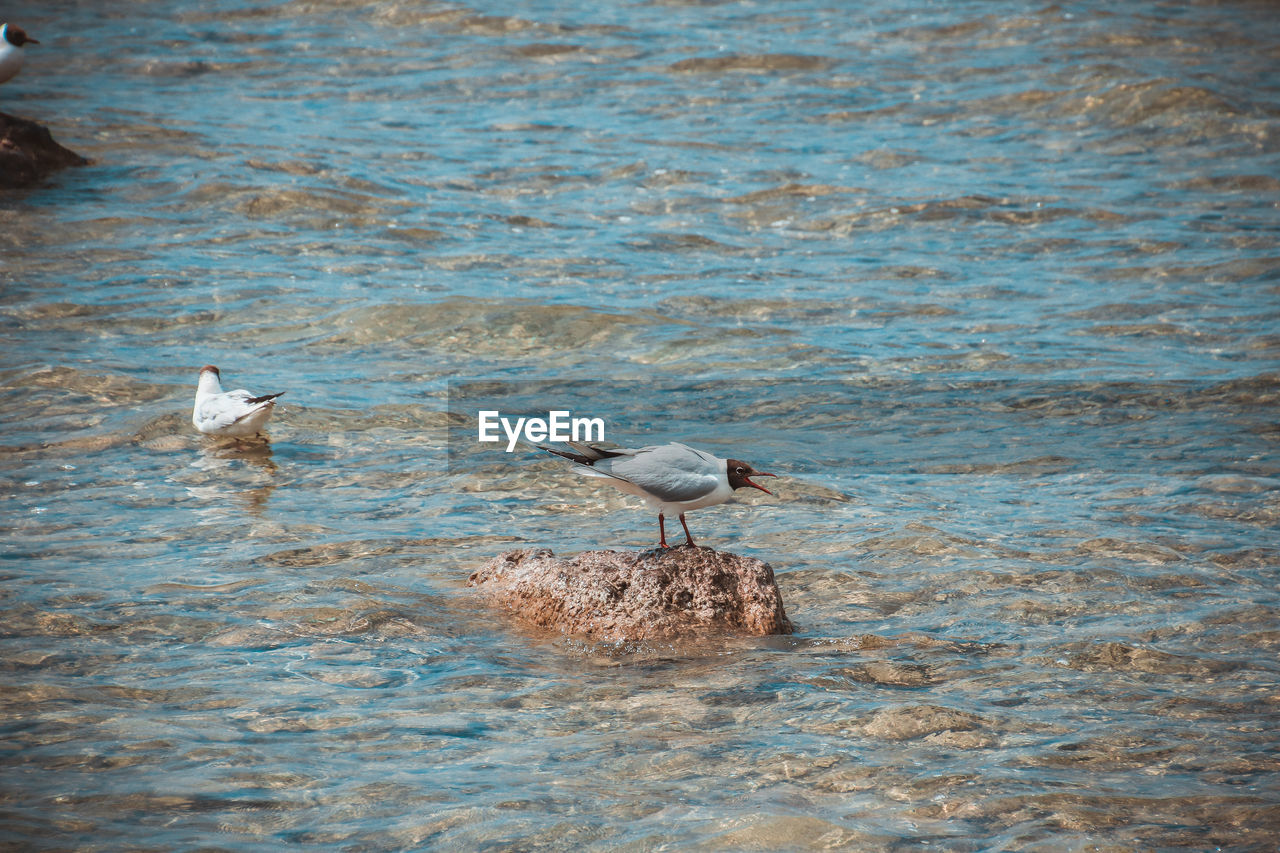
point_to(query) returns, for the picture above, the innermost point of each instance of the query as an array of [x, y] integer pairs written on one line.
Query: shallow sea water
[[995, 288]]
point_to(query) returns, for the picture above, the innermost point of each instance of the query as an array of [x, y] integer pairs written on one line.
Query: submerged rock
[[28, 153], [656, 594]]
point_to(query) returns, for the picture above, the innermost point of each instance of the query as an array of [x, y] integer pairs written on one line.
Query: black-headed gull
[[672, 478], [11, 41], [219, 412]]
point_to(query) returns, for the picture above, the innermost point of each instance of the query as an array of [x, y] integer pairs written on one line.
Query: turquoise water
[[993, 287]]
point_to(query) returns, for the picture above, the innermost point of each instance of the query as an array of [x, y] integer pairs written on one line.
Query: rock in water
[[28, 153], [656, 594]]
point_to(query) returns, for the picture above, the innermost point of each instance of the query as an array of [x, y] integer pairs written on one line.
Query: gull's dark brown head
[[740, 474], [209, 368], [17, 36]]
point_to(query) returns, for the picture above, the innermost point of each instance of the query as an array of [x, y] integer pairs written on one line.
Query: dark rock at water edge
[[620, 596], [28, 153]]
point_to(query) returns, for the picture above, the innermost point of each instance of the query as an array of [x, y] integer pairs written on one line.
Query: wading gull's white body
[[238, 412], [671, 478]]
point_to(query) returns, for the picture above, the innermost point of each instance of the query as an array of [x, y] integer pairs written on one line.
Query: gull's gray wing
[[673, 473], [223, 410]]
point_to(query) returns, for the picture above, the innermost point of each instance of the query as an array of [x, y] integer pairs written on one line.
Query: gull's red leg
[[662, 532], [687, 535]]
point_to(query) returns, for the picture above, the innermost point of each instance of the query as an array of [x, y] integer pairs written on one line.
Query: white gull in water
[[238, 412], [11, 41], [672, 478]]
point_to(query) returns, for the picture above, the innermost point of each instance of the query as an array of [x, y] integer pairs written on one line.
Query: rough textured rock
[[656, 594], [28, 153]]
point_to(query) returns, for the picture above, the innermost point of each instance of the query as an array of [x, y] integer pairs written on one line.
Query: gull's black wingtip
[[580, 458]]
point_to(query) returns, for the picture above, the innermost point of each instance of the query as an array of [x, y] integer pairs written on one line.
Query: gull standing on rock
[[11, 41], [238, 412], [672, 478]]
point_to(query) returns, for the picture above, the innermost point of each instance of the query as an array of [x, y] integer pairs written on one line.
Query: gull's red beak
[[757, 485]]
